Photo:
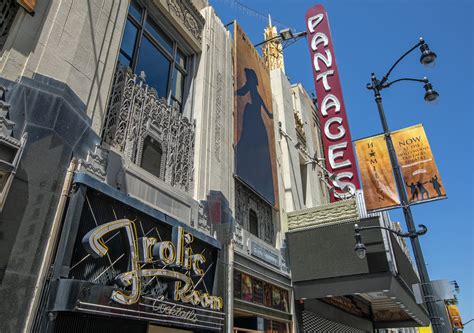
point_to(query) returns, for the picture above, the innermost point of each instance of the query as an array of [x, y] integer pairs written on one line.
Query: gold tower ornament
[[273, 50]]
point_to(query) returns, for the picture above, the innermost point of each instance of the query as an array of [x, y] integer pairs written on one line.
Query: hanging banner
[[254, 136], [420, 174], [337, 142], [416, 161], [454, 316], [378, 182]]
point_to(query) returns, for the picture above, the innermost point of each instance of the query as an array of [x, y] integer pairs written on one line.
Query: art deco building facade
[[124, 203]]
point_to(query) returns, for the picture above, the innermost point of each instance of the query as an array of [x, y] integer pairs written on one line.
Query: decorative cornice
[[338, 212], [95, 163], [189, 15]]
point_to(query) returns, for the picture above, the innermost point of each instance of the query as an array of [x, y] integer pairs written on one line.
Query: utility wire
[[251, 12]]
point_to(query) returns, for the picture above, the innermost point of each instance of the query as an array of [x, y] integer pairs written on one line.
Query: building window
[[147, 48], [8, 10], [151, 156], [253, 222], [304, 185]]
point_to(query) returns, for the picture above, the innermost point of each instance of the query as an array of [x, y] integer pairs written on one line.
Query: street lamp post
[[427, 57]]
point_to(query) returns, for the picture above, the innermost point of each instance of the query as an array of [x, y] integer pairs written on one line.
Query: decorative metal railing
[[135, 112]]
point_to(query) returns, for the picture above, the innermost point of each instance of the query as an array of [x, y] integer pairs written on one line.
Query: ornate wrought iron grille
[[8, 10], [136, 112]]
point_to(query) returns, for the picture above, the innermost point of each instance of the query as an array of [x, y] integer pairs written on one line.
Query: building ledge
[[84, 178]]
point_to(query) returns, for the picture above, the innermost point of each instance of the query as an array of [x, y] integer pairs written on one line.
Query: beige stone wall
[[291, 194], [77, 42], [73, 41], [213, 91], [316, 192], [294, 196]]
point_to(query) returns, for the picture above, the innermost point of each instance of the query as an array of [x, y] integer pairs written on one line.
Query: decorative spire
[[273, 50]]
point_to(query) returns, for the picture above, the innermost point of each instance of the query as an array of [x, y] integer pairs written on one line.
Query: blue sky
[[369, 36]]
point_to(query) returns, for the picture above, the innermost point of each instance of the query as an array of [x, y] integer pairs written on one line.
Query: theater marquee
[[337, 140]]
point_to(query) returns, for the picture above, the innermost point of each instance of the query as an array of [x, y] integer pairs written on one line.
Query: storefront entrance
[[252, 323]]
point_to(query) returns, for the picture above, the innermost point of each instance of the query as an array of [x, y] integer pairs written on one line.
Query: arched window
[[151, 156], [253, 222]]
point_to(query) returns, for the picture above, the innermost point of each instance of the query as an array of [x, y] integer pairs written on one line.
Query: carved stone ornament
[[203, 220], [96, 163], [337, 212], [246, 200], [300, 129], [136, 112], [189, 15]]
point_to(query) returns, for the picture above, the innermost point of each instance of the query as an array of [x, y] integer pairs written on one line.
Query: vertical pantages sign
[[254, 136], [337, 141]]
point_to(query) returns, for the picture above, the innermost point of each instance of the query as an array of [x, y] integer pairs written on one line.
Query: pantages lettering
[[337, 141], [176, 254]]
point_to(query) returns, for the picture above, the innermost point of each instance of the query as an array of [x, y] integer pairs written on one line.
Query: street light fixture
[[360, 248], [284, 35], [430, 95], [427, 57]]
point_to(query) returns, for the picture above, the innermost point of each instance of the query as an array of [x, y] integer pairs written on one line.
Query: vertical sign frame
[[337, 141]]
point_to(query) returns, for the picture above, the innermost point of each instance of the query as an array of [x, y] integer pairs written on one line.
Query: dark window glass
[[151, 156], [304, 172], [135, 10], [155, 65], [253, 223], [178, 86], [160, 36], [128, 41], [8, 10], [257, 291], [147, 48], [237, 285], [180, 58], [124, 60]]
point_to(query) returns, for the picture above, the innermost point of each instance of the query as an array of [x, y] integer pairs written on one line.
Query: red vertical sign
[[337, 141]]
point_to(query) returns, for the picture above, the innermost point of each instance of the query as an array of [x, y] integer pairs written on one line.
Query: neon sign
[[337, 141], [176, 254]]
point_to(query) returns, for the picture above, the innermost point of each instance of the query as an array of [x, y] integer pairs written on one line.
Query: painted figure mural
[[252, 149], [255, 155]]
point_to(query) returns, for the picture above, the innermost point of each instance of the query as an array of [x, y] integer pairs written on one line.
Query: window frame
[[251, 211], [178, 45], [141, 153]]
